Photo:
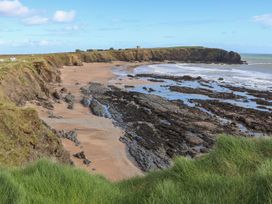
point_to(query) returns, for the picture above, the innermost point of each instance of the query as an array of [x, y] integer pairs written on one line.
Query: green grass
[[239, 170]]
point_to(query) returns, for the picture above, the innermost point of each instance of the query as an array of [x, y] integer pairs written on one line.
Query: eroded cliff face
[[23, 136]]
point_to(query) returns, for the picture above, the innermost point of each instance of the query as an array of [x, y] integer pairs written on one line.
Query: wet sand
[[98, 136]]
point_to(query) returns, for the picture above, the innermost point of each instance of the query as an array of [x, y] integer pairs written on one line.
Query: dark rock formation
[[207, 92], [81, 155], [157, 129], [69, 98], [51, 115], [252, 119], [86, 101], [57, 95], [71, 135], [99, 109]]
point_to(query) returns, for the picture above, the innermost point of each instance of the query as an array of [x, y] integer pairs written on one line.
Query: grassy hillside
[[239, 170], [183, 54], [23, 136]]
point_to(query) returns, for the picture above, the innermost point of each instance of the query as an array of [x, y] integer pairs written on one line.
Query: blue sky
[[38, 26]]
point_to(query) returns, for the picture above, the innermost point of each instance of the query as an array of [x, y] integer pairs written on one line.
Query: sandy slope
[[98, 136]]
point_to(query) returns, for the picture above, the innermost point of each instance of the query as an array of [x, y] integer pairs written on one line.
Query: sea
[[256, 74]]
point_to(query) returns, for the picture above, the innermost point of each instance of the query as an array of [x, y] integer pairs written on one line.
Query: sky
[[39, 26]]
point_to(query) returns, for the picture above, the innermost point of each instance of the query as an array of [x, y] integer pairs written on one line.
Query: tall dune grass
[[238, 170]]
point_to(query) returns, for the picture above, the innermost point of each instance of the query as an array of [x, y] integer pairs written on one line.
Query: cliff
[[189, 55]]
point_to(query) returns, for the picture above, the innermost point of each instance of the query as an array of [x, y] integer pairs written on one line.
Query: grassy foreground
[[239, 170]]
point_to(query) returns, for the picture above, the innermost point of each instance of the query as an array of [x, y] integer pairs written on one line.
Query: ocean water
[[257, 74]]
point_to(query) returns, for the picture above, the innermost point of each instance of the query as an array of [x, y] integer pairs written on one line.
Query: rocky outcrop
[[71, 135], [82, 156], [250, 118], [156, 129]]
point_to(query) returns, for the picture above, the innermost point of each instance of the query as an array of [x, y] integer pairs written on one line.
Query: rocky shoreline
[[158, 129]]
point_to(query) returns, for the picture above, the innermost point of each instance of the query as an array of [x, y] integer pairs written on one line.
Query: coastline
[[103, 141], [98, 136]]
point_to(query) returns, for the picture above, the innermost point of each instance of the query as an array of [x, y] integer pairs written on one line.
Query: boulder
[[69, 98], [86, 101], [57, 95], [99, 109], [71, 135]]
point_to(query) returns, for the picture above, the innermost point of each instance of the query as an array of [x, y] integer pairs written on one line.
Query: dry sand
[[98, 136]]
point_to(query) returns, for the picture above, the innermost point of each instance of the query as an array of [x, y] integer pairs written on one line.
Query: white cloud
[[35, 20], [64, 16], [265, 19], [13, 8]]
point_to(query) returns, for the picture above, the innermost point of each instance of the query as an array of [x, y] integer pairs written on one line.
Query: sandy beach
[[98, 136]]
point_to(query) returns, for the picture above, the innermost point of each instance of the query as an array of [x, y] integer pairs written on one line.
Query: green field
[[239, 170]]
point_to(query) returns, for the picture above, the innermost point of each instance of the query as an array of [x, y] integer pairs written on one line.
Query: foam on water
[[240, 75]]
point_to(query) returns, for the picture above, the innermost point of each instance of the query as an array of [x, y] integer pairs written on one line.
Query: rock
[[204, 150], [156, 80], [48, 105], [63, 90], [86, 101], [129, 86], [220, 79], [71, 135], [130, 76], [251, 119], [187, 78], [207, 92], [69, 98], [94, 88], [70, 106], [87, 162], [51, 115], [193, 140], [80, 155], [99, 109], [57, 95], [157, 130]]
